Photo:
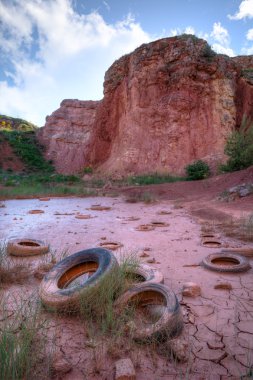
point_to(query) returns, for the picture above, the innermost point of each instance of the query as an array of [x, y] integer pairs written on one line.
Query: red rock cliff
[[168, 103], [67, 134]]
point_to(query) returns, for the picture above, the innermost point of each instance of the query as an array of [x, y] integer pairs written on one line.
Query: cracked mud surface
[[218, 324]]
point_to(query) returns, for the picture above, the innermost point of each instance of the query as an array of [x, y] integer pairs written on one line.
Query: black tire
[[211, 243], [146, 274], [53, 290], [26, 247], [170, 321], [219, 262]]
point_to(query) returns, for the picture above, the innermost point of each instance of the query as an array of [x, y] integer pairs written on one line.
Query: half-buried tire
[[26, 247], [62, 287], [156, 312], [145, 274], [226, 262]]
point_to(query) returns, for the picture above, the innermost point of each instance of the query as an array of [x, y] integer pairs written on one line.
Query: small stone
[[151, 261], [144, 254], [223, 285], [233, 189], [125, 370], [215, 344], [190, 289], [60, 364], [244, 192]]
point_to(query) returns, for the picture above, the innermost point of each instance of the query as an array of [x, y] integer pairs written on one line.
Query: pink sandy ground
[[218, 324]]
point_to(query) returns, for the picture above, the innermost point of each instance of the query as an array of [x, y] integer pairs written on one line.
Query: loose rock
[[223, 285], [190, 289], [125, 370]]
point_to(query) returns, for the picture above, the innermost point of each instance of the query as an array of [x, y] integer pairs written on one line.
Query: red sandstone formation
[[67, 133], [167, 104]]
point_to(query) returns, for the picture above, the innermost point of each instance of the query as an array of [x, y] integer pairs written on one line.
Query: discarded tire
[[226, 262], [211, 243], [159, 224], [100, 208], [54, 291], [145, 274], [83, 216], [145, 227], [26, 247], [111, 245], [36, 212], [169, 322]]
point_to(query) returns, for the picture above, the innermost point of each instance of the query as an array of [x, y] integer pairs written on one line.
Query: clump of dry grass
[[135, 197], [239, 228], [12, 271], [24, 353], [97, 305]]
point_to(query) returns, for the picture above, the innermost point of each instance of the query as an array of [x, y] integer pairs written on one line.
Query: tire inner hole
[[110, 244], [225, 261], [77, 275], [212, 243], [28, 244], [148, 307]]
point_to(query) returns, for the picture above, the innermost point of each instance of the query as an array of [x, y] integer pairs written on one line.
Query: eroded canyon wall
[[168, 103], [67, 135]]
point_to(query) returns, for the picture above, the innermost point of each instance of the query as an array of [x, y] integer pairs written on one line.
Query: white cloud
[[222, 49], [220, 34], [250, 35], [177, 31], [70, 54], [245, 10], [189, 30], [221, 39], [247, 50]]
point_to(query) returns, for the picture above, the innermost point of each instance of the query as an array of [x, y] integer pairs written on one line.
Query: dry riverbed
[[218, 323]]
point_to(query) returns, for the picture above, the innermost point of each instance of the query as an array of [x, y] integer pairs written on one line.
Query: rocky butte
[[167, 104]]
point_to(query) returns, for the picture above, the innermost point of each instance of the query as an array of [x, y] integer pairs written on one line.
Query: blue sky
[[56, 49]]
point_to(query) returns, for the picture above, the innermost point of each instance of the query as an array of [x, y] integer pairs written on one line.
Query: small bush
[[239, 148], [198, 170], [88, 170], [208, 53]]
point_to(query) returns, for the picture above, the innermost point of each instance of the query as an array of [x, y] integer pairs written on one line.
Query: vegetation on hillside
[[39, 177], [26, 147], [8, 123], [239, 147], [197, 170]]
